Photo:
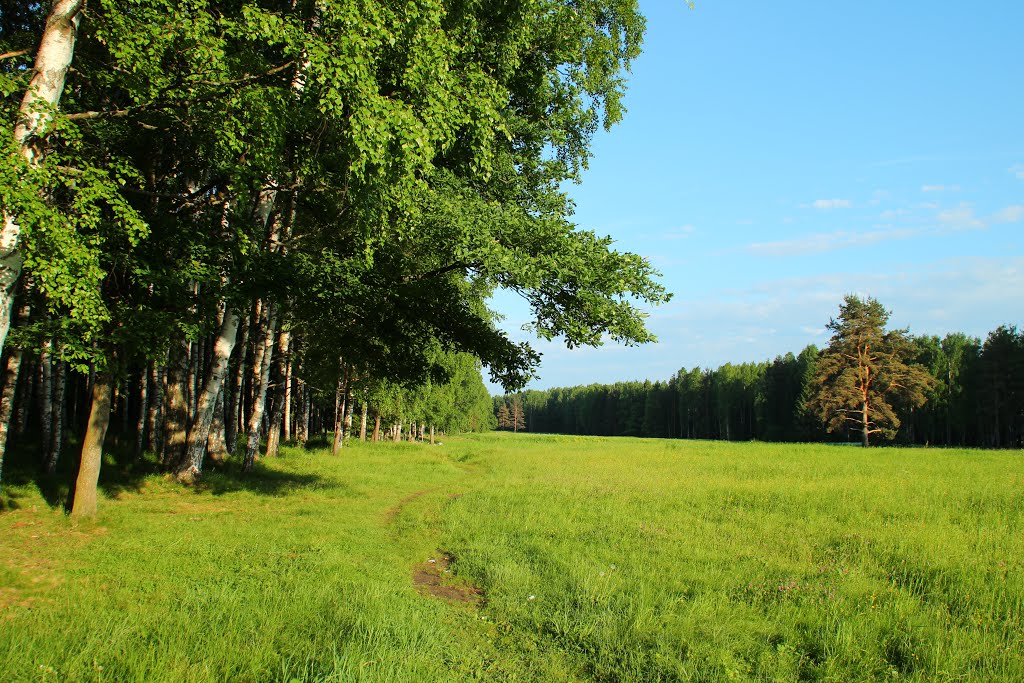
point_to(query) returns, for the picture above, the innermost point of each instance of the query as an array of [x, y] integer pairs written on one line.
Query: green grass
[[599, 560]]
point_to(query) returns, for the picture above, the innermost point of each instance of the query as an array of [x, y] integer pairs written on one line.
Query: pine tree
[[517, 417], [864, 371], [504, 418]]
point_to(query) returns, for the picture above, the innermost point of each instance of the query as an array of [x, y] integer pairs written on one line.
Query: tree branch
[[458, 265]]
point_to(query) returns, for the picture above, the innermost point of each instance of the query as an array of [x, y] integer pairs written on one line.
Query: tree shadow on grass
[[125, 473], [229, 478]]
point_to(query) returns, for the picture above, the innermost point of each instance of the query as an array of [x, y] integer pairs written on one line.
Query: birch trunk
[[287, 422], [260, 394], [140, 423], [194, 351], [233, 401], [56, 419], [216, 444], [339, 413], [284, 340], [44, 397], [307, 409], [155, 417], [92, 449], [196, 442], [362, 422], [56, 50], [176, 412], [349, 406], [23, 407], [11, 371], [11, 379]]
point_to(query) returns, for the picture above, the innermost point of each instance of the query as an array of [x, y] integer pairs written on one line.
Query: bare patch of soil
[[433, 578]]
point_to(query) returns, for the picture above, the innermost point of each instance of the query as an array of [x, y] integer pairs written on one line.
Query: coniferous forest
[[974, 397]]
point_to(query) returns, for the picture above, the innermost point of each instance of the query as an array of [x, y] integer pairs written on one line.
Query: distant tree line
[[975, 398]]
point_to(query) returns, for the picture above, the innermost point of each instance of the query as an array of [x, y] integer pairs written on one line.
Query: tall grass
[[599, 559]]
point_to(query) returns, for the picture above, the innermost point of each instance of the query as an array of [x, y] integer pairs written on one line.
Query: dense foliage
[[211, 206], [975, 397], [864, 371]]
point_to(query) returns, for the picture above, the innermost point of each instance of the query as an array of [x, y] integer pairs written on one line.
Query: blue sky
[[778, 155]]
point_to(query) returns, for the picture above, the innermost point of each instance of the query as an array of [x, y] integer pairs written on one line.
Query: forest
[[975, 398], [230, 223]]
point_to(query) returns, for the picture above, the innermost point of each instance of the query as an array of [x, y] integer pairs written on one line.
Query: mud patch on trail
[[433, 578]]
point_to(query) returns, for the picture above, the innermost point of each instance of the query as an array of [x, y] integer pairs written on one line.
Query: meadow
[[507, 557]]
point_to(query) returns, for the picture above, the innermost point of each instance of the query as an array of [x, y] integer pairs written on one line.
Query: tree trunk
[[864, 425], [195, 353], [216, 444], [284, 339], [11, 371], [260, 326], [92, 449], [56, 50], [398, 432], [260, 394], [176, 412], [195, 445], [56, 418], [349, 406], [22, 408], [140, 423], [376, 428], [362, 422], [44, 399], [431, 434], [307, 410], [339, 415], [287, 424], [154, 416], [233, 398]]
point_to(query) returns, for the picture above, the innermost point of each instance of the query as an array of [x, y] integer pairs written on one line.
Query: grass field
[[570, 558]]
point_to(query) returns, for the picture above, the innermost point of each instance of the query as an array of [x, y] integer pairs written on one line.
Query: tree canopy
[[357, 177], [864, 370]]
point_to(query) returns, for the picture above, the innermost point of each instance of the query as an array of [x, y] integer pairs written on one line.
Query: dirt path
[[433, 578]]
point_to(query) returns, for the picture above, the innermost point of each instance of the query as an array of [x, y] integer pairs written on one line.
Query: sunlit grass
[[599, 559]]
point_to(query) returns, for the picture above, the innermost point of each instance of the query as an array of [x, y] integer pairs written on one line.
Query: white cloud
[[828, 204], [828, 241], [1017, 170], [1011, 214], [940, 188], [960, 218]]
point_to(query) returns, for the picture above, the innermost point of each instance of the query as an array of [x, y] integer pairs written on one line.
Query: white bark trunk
[[195, 444], [56, 50], [286, 434], [56, 417], [260, 395]]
